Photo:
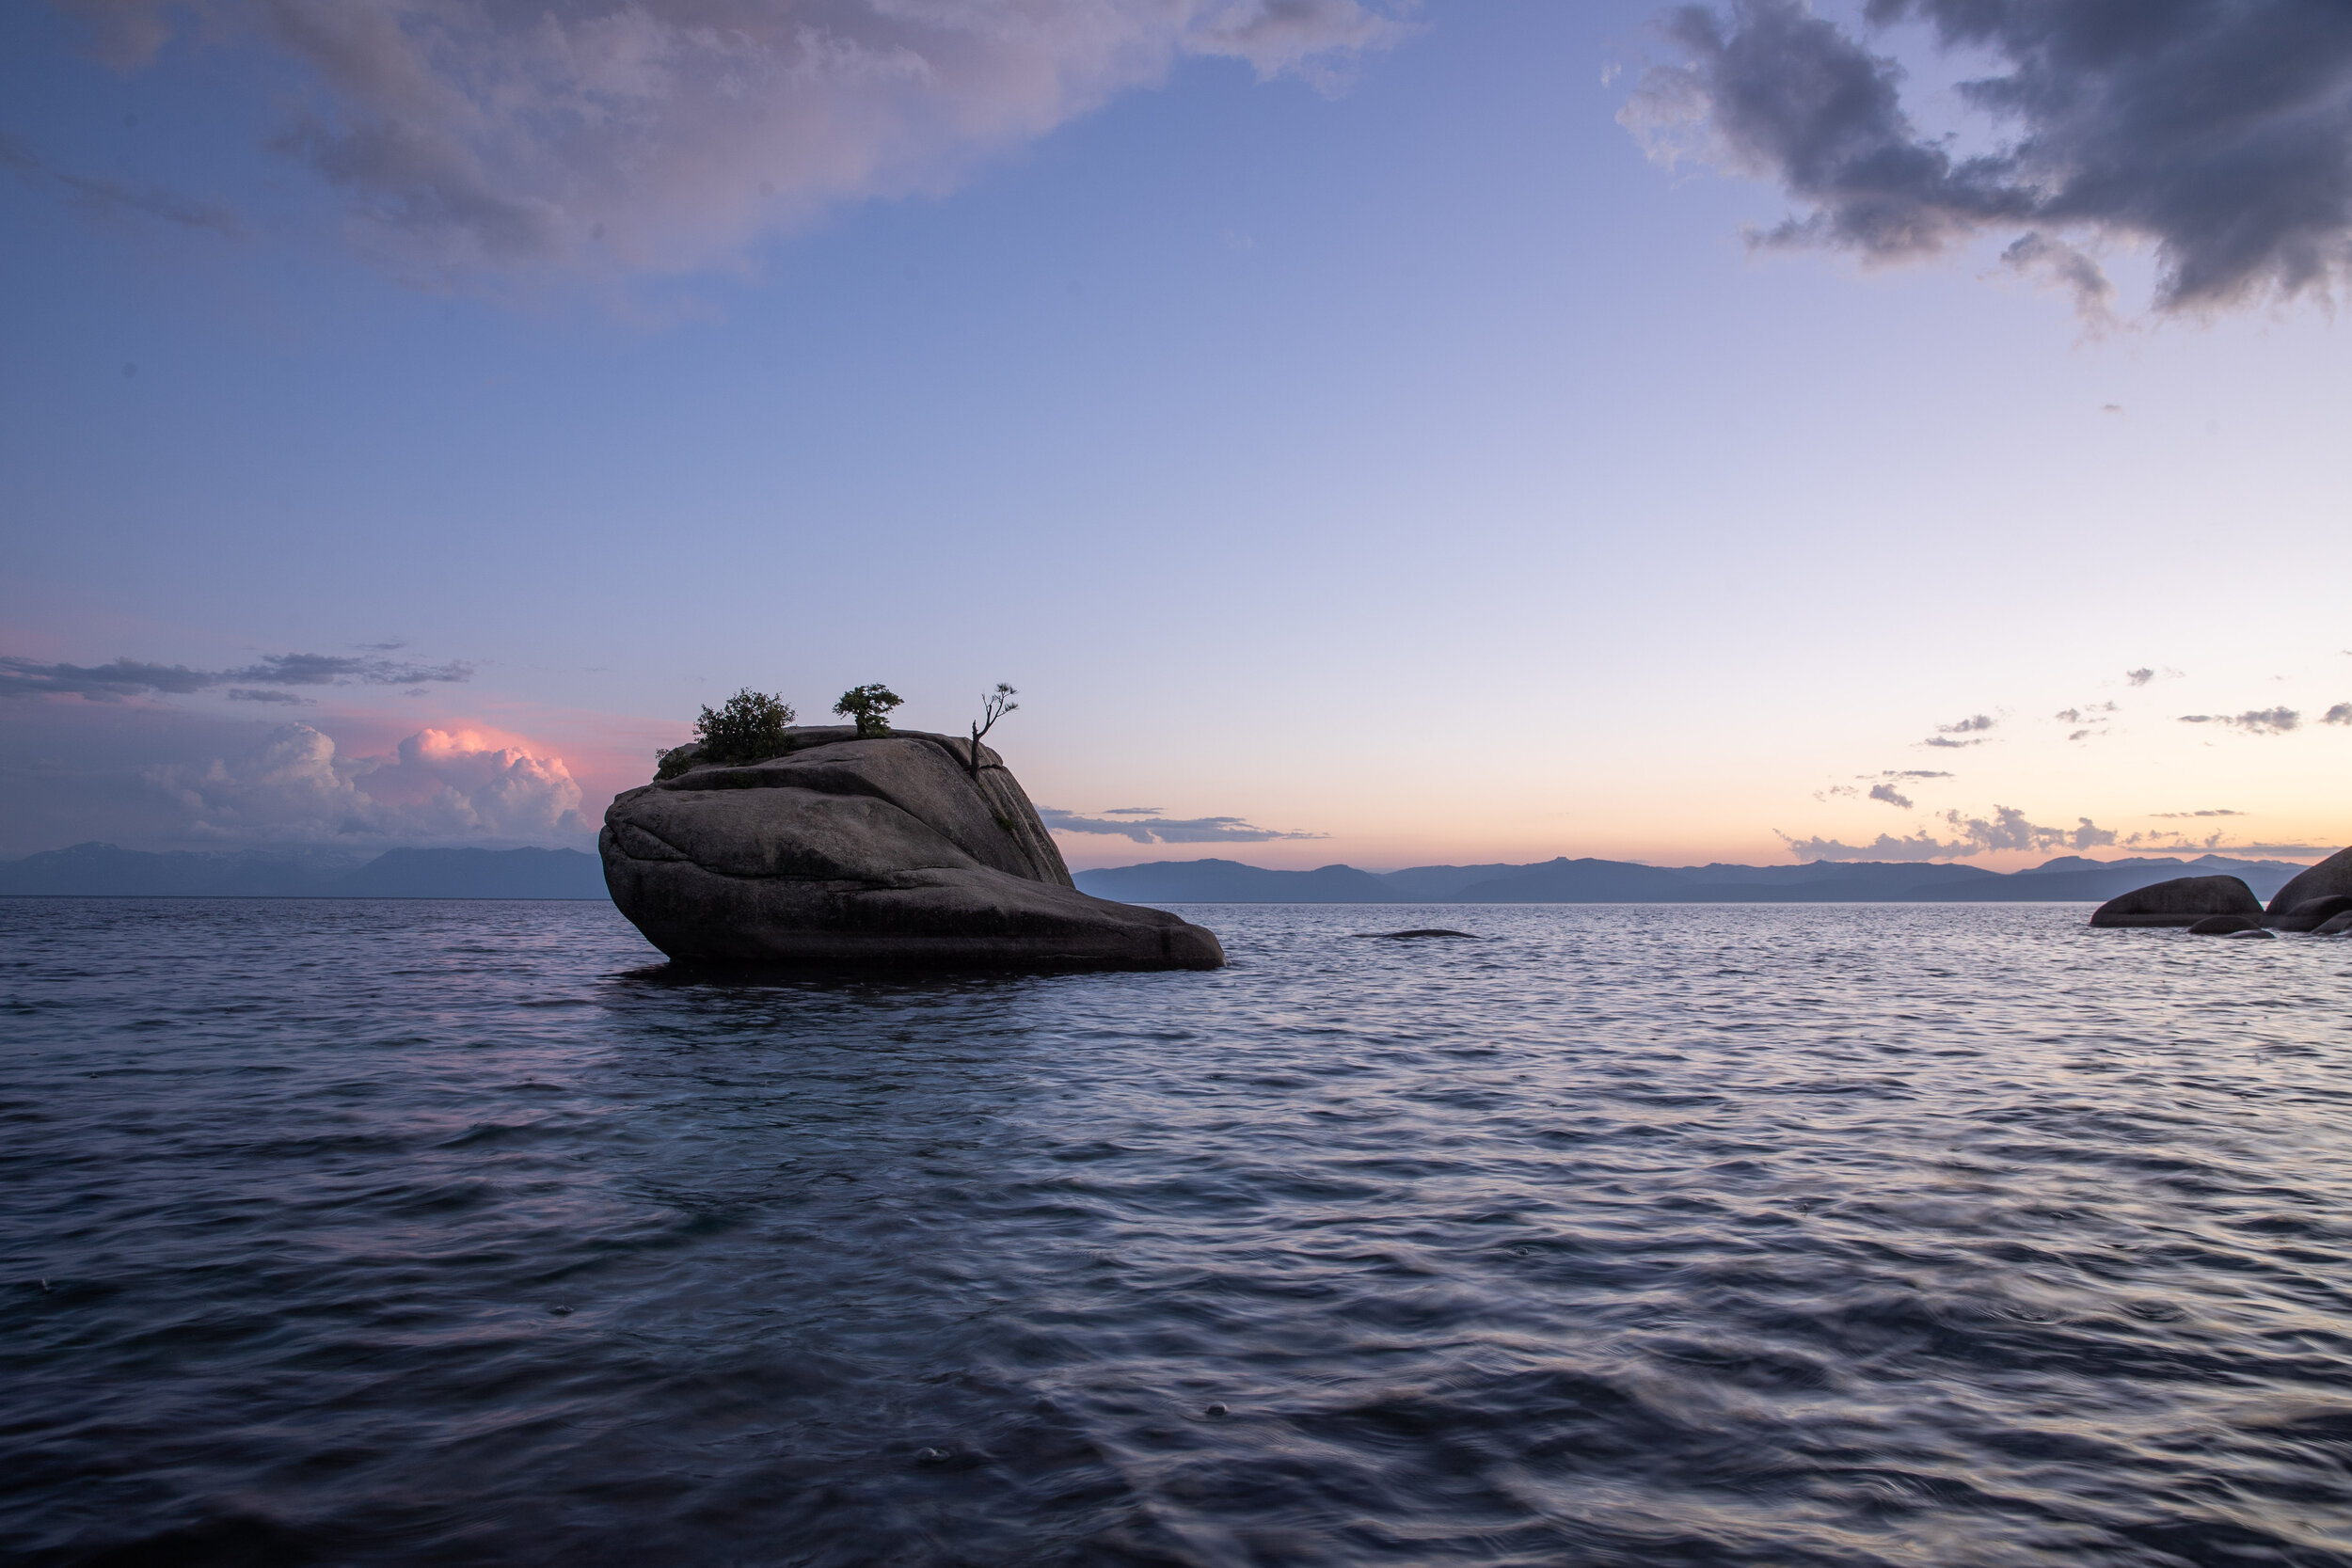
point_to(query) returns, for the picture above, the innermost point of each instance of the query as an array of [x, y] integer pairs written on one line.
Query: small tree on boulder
[[871, 706], [993, 705]]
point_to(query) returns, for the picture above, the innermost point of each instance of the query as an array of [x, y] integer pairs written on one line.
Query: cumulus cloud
[[297, 787], [1889, 794], [667, 135], [124, 677], [2220, 131], [2266, 721], [2006, 829], [1154, 829], [2139, 678], [2340, 714]]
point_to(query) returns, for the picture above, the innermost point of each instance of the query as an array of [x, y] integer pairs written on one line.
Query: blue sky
[[1353, 432]]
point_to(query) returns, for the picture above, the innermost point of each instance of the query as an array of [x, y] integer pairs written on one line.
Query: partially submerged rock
[[2330, 878], [878, 852], [2183, 901], [1414, 936], [2310, 914], [2225, 925]]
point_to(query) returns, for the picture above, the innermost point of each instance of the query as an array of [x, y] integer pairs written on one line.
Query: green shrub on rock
[[749, 728]]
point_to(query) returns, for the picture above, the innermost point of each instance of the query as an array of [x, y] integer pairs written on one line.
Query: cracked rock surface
[[883, 853]]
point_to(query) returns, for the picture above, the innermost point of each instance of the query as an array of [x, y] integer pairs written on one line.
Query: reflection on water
[[384, 1233]]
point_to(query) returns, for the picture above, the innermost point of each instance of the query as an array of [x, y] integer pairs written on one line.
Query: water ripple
[[379, 1232]]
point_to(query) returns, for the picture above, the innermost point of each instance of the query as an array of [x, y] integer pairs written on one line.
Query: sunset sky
[[1379, 432]]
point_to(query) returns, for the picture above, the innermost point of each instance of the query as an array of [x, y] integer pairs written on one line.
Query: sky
[[1366, 431]]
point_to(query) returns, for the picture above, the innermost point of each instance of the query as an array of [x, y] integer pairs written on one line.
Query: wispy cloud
[[1889, 794], [2219, 132], [2088, 720], [473, 137], [2266, 721], [1125, 822], [2173, 815], [125, 677], [101, 193]]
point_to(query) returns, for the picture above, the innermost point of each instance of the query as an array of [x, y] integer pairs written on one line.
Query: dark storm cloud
[[124, 677], [1161, 830], [2266, 721], [2220, 130]]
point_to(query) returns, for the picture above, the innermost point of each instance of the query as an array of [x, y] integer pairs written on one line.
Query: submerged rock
[[2183, 901], [2225, 925], [886, 851], [2330, 876]]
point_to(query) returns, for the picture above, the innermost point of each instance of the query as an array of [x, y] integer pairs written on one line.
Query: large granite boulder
[[881, 852], [2183, 901], [2328, 878]]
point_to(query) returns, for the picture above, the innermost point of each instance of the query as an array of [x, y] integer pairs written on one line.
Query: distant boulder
[[2225, 925], [2183, 901], [2310, 914], [2330, 876], [889, 851]]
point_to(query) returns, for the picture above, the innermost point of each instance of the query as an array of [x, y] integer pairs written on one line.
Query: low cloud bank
[[2006, 829], [1130, 823], [296, 788], [2218, 130], [470, 136]]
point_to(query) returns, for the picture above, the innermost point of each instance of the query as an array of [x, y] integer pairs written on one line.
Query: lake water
[[350, 1232]]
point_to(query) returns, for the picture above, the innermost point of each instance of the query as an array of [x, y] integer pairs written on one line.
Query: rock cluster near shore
[[883, 853], [2318, 900]]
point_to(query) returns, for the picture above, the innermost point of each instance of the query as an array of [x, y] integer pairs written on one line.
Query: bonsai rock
[[2183, 901], [890, 851]]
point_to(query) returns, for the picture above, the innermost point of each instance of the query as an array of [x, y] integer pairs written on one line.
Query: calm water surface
[[365, 1233]]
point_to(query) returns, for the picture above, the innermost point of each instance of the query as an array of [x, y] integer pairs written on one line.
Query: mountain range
[[100, 870], [2067, 880]]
